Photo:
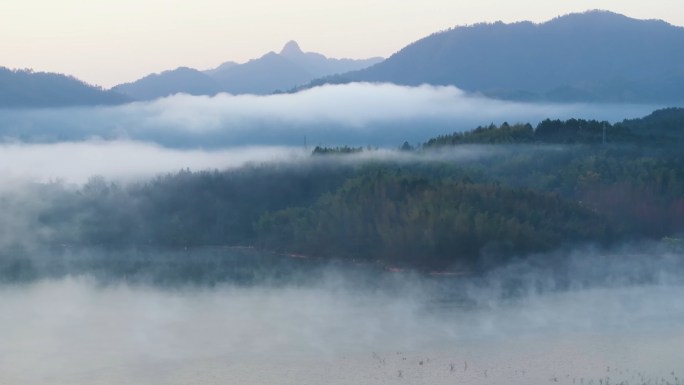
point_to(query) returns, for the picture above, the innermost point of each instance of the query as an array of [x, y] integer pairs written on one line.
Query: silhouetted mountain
[[25, 88], [282, 71], [319, 65], [667, 124], [267, 74], [181, 80], [592, 56], [220, 68]]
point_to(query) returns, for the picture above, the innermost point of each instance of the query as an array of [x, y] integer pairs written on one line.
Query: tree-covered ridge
[[638, 190], [423, 208], [399, 218], [426, 214], [571, 131], [661, 126], [517, 133]]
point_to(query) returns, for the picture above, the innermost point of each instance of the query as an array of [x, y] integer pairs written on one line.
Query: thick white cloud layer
[[353, 114], [182, 131]]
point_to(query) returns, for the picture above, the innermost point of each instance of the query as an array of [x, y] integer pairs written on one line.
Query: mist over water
[[181, 319], [339, 325]]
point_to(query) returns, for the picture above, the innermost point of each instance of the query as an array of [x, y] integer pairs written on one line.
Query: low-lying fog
[[354, 114], [144, 139], [126, 161], [74, 330]]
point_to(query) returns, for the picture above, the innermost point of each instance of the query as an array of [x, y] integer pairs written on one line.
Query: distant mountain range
[[268, 74], [591, 56], [25, 88], [596, 56]]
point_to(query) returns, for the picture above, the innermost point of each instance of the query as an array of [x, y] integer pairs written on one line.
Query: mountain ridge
[[591, 56], [29, 89], [272, 72]]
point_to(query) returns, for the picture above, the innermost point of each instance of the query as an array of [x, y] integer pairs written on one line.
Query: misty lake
[[324, 323]]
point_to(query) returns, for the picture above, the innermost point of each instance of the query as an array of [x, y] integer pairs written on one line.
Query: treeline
[[404, 219], [572, 131], [658, 127]]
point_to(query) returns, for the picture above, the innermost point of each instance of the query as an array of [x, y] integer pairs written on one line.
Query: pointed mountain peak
[[291, 49]]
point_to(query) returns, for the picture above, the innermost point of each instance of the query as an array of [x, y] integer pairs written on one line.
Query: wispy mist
[[76, 162]]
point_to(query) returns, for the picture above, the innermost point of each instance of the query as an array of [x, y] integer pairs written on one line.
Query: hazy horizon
[[109, 44]]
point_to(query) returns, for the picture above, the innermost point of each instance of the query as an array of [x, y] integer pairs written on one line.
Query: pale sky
[[107, 42]]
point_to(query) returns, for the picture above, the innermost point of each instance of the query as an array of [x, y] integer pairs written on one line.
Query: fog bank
[[352, 114]]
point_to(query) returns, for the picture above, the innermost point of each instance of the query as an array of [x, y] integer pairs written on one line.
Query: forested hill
[[592, 56], [421, 208], [25, 88], [667, 123]]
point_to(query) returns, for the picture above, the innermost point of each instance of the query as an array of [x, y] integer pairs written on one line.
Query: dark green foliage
[[400, 218], [518, 133], [639, 190], [572, 131]]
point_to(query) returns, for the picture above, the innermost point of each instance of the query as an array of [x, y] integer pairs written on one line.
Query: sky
[[108, 42]]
